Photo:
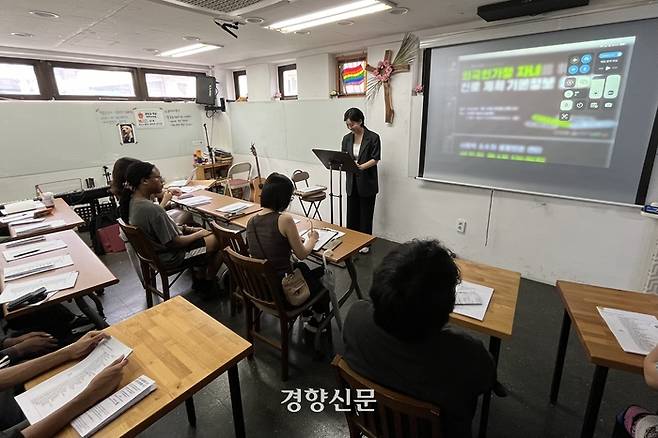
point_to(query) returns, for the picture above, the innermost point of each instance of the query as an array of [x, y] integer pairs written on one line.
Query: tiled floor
[[526, 366]]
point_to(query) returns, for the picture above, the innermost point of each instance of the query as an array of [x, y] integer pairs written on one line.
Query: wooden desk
[[221, 166], [205, 183], [182, 349], [603, 350], [219, 201], [61, 211], [499, 319], [93, 274]]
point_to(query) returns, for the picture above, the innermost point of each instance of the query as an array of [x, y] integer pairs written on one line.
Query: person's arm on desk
[[651, 368], [101, 386], [299, 248]]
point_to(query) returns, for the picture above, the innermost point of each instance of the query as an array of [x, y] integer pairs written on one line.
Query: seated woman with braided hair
[[172, 242]]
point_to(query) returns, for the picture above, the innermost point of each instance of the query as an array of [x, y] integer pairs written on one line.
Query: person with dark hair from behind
[[119, 178], [174, 244], [273, 235], [400, 340], [362, 187], [101, 386]]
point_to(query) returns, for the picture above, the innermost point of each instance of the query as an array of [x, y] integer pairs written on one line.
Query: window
[[288, 81], [240, 82], [351, 75], [94, 82], [18, 79], [174, 86]]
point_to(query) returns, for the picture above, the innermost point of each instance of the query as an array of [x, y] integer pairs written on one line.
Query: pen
[[32, 251]]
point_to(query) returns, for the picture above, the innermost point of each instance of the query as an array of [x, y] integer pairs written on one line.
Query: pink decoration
[[384, 70], [419, 89]]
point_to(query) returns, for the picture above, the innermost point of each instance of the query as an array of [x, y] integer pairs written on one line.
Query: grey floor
[[525, 368]]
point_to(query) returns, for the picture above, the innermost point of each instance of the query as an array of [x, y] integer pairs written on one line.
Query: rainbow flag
[[354, 75]]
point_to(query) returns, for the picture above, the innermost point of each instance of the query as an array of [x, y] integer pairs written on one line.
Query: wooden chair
[[231, 238], [314, 199], [233, 183], [262, 292], [151, 265], [395, 415]]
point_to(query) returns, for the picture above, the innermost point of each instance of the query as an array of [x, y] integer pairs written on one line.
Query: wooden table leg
[[354, 283], [236, 401], [594, 402], [94, 317], [559, 360], [494, 349], [191, 412]]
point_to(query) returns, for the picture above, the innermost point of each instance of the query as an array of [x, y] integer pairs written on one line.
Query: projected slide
[[554, 104]]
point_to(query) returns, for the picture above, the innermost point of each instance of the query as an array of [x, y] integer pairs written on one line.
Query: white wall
[[545, 239], [261, 81], [315, 75]]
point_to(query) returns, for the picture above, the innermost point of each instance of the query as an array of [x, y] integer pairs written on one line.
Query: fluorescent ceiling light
[[190, 50], [331, 15]]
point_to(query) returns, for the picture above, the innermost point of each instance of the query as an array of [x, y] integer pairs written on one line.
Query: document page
[[25, 229], [235, 207], [477, 311], [194, 201], [52, 283], [326, 235], [23, 251], [50, 395], [107, 410], [636, 332], [26, 269]]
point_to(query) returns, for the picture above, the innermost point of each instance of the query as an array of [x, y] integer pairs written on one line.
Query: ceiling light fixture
[[254, 20], [22, 34], [44, 14], [331, 15], [190, 50], [398, 11]]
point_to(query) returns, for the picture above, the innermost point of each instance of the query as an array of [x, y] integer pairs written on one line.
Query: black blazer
[[366, 180]]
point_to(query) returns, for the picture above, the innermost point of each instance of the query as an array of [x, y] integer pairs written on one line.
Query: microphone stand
[[211, 153]]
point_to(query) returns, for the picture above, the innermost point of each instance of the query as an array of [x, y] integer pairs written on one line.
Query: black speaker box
[[520, 8]]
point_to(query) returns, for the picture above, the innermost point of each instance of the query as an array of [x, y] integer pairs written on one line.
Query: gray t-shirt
[[158, 227]]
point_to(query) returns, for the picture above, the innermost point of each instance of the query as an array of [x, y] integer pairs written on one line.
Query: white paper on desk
[[107, 410], [16, 272], [24, 229], [636, 332], [16, 217], [194, 201], [33, 220], [191, 189], [52, 283], [17, 207], [477, 311], [326, 235], [235, 207], [44, 246], [50, 395], [311, 189]]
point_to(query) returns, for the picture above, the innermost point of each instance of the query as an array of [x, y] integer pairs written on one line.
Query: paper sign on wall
[[149, 118]]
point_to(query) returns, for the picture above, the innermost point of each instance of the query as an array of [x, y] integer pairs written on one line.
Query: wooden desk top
[[580, 300], [61, 211], [93, 274], [218, 201], [207, 183], [177, 345], [499, 319]]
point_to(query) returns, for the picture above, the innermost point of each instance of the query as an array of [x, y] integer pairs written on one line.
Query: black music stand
[[336, 161]]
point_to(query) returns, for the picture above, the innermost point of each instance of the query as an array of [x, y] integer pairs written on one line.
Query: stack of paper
[[191, 189], [43, 265], [194, 201], [104, 412], [32, 249], [326, 235], [48, 396], [235, 208], [16, 217], [17, 207], [311, 189], [636, 332], [52, 283], [31, 228], [477, 311]]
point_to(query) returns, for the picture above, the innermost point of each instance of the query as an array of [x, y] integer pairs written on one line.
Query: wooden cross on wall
[[398, 68]]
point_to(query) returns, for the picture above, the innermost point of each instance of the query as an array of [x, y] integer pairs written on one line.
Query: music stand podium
[[341, 162]]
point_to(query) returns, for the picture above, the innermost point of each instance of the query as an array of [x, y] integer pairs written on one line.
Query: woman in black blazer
[[364, 147]]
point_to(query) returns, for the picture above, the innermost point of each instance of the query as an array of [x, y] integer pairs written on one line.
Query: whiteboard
[[40, 137], [290, 129]]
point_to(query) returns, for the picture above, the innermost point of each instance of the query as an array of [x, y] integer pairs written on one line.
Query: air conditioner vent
[[221, 7]]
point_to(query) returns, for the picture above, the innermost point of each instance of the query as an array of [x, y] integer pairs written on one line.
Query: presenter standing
[[362, 187]]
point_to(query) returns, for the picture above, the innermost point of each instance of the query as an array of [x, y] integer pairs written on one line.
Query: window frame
[[342, 59], [40, 72], [139, 92], [236, 82], [141, 75], [280, 70]]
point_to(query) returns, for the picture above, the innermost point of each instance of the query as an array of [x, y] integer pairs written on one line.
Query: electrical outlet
[[461, 226]]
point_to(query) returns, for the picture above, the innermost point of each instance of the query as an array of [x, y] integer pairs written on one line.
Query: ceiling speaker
[[520, 8]]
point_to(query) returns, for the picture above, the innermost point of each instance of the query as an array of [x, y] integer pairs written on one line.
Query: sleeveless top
[[275, 247]]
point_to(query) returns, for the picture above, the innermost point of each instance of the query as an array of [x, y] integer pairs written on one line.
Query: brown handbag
[[294, 285]]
